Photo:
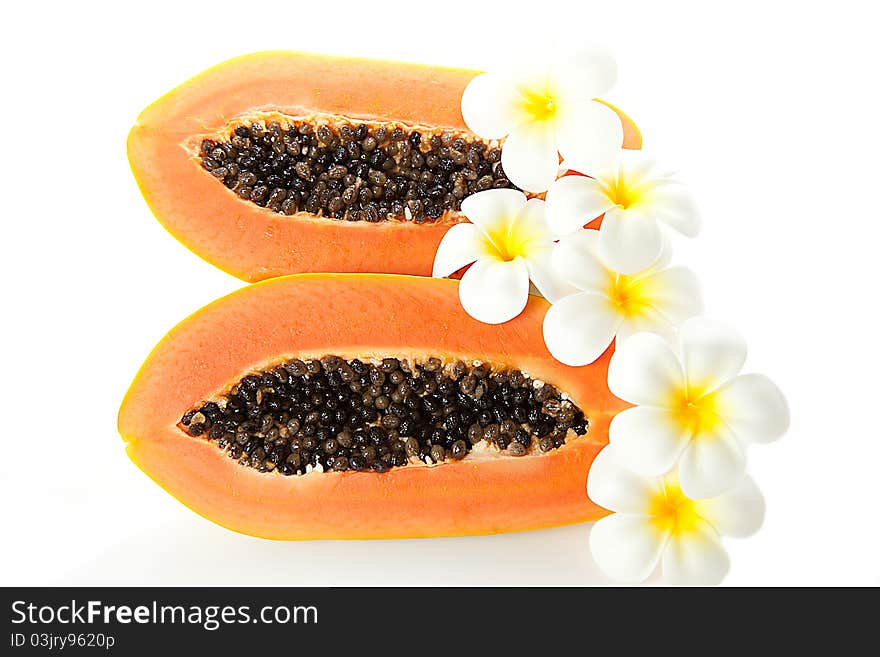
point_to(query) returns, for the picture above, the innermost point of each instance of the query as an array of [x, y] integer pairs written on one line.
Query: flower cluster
[[684, 441], [674, 473]]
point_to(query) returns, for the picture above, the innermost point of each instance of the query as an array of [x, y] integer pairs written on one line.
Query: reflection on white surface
[[193, 552]]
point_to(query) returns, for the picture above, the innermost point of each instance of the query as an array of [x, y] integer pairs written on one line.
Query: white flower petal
[[461, 245], [738, 512], [573, 201], [712, 353], [695, 558], [629, 241], [663, 260], [530, 75], [544, 276], [529, 228], [618, 489], [753, 407], [576, 259], [672, 203], [488, 105], [638, 167], [648, 320], [712, 463], [646, 440], [626, 547], [644, 370], [529, 156], [675, 294], [589, 135], [588, 72], [493, 210], [494, 291], [579, 328]]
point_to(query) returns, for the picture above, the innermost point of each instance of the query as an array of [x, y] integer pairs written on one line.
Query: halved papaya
[[310, 352], [284, 162]]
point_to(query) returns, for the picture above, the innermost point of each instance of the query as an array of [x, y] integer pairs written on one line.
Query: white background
[[768, 109]]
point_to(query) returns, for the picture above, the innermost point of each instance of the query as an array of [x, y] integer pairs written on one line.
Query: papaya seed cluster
[[350, 171], [338, 414]]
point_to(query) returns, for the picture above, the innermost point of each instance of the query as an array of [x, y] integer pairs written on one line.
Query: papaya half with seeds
[[283, 162], [367, 406]]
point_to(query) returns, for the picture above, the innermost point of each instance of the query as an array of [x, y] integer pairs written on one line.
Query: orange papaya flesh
[[364, 316], [253, 242]]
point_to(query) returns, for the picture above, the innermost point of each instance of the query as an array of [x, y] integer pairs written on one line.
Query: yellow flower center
[[695, 411], [623, 192], [539, 104], [629, 295], [672, 511], [509, 240]]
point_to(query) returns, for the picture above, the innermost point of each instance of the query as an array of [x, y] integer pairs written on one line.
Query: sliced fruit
[[302, 328], [284, 162]]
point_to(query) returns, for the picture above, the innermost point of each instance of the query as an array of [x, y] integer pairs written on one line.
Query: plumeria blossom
[[636, 196], [654, 521], [545, 109], [693, 405], [508, 243], [581, 326]]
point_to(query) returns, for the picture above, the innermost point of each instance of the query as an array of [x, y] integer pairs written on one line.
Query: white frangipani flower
[[655, 522], [508, 243], [581, 326], [693, 407], [546, 109], [635, 196]]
